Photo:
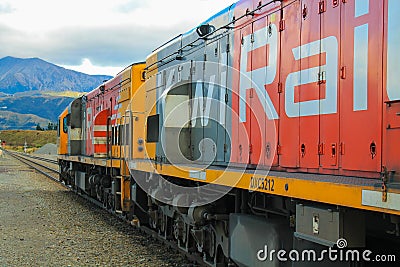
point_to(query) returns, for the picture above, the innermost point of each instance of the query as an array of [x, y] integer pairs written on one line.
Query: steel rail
[[32, 164]]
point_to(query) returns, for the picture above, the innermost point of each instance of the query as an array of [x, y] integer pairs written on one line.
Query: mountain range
[[31, 74], [32, 91]]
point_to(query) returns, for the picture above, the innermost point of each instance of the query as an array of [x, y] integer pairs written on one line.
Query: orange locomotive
[[274, 122]]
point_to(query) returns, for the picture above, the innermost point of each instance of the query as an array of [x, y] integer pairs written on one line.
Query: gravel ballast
[[44, 224], [47, 149]]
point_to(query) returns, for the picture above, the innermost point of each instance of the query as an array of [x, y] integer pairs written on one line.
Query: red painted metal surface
[[289, 142], [309, 88], [103, 98], [100, 133], [328, 95], [360, 127]]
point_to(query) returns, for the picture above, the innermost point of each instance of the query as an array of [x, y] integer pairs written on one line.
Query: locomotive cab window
[[66, 123], [152, 128]]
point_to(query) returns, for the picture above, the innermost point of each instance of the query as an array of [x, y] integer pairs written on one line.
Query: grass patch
[[15, 139]]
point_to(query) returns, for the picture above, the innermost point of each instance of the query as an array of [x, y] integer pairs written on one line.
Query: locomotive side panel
[[91, 112], [256, 60], [361, 86], [308, 86], [123, 100], [328, 103], [213, 127], [391, 107], [329, 87], [137, 110], [289, 125], [241, 127], [273, 87]]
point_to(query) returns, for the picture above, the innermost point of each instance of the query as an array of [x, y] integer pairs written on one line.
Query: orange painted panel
[[289, 123], [62, 139], [100, 148], [309, 111], [100, 134], [257, 116], [361, 85], [241, 127], [329, 88]]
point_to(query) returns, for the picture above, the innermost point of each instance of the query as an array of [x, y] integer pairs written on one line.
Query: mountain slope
[[12, 120], [31, 74], [44, 106]]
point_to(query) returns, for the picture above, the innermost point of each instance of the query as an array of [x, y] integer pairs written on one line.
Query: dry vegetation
[[71, 94], [15, 139]]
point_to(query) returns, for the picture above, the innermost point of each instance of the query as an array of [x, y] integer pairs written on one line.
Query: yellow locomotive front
[[62, 135], [98, 131]]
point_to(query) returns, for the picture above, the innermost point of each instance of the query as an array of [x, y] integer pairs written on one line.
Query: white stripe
[[360, 68], [97, 141], [100, 128]]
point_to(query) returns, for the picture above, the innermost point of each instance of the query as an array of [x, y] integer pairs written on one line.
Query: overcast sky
[[96, 36]]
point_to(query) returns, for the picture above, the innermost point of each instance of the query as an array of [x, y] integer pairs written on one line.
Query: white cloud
[[5, 8], [88, 68]]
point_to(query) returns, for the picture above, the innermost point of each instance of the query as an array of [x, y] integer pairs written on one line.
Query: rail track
[[34, 162], [41, 165]]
